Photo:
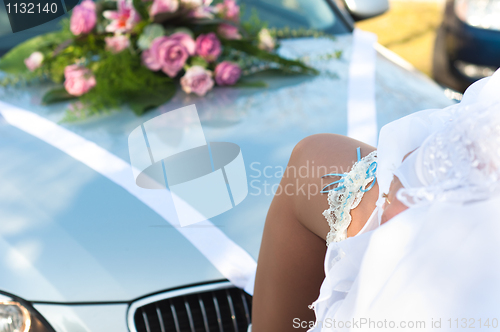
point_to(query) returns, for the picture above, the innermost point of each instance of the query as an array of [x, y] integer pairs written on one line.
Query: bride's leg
[[290, 267]]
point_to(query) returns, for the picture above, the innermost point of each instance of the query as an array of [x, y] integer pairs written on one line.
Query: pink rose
[[185, 40], [229, 10], [227, 73], [169, 53], [83, 18], [123, 19], [163, 6], [208, 46], [34, 61], [78, 80], [228, 31], [117, 43], [197, 80]]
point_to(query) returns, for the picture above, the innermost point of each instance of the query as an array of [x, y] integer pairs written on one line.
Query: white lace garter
[[347, 195]]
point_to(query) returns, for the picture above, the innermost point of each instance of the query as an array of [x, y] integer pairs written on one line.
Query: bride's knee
[[327, 150], [309, 148], [313, 157]]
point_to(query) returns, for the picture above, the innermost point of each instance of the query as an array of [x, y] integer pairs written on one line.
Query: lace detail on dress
[[460, 162], [347, 195]]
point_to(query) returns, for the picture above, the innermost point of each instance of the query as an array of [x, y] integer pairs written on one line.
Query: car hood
[[68, 234]]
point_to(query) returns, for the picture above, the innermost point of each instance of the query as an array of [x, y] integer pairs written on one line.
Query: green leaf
[[199, 61], [208, 21], [139, 27], [144, 102], [149, 33], [141, 9], [13, 61], [248, 48], [56, 95]]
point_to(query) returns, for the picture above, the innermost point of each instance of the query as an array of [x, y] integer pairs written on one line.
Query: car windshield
[[310, 14], [313, 14]]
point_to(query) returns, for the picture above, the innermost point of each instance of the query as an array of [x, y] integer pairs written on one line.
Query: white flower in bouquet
[[266, 41], [123, 19], [34, 61]]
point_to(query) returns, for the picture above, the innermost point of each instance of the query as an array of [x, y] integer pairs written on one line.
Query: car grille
[[218, 310]]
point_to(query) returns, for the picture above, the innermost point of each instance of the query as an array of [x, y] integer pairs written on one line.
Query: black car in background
[[467, 45]]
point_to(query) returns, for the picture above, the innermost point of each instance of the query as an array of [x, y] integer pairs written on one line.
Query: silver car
[[80, 253]]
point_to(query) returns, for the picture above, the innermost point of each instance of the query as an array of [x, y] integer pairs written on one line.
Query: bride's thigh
[[312, 158]]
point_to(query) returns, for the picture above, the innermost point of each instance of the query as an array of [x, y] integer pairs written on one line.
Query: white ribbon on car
[[232, 261], [361, 106]]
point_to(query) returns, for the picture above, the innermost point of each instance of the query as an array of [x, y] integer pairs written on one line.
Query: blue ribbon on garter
[[370, 172]]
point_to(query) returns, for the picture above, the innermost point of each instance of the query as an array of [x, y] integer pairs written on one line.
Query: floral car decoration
[[137, 52]]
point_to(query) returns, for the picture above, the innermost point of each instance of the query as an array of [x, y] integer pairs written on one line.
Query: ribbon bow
[[370, 172]]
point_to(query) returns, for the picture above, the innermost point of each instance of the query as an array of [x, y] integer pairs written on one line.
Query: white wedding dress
[[437, 264]]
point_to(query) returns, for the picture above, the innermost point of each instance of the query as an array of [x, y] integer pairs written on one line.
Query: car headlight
[[14, 317], [17, 315], [483, 14]]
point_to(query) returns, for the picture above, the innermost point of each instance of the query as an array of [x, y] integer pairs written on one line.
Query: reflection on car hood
[[69, 234]]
